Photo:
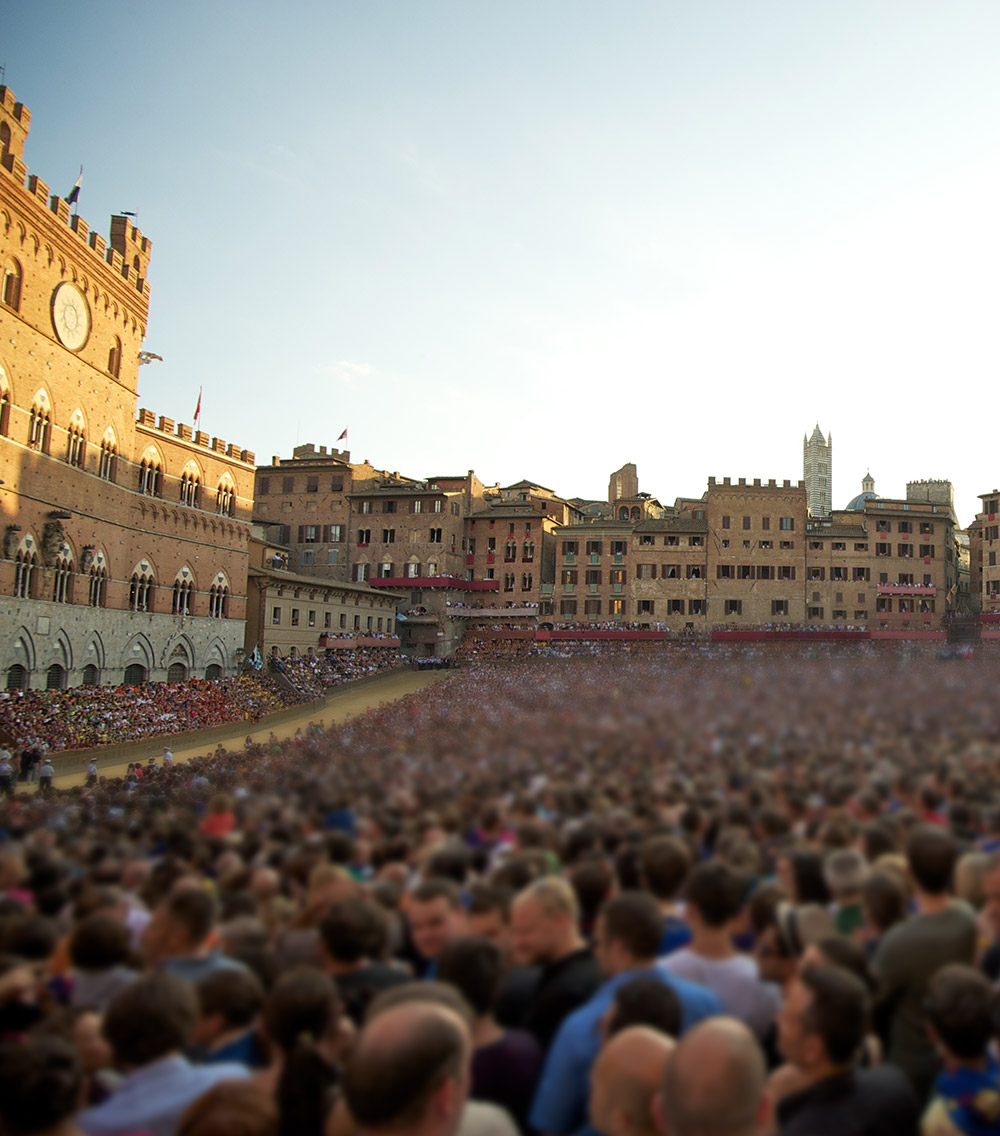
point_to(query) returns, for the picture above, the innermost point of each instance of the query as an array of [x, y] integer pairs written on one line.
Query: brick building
[[125, 537]]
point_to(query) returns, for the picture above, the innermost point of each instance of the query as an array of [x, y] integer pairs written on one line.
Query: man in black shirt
[[545, 932]]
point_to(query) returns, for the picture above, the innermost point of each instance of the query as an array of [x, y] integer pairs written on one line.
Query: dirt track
[[349, 701]]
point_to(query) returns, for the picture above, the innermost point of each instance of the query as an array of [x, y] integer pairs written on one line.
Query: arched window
[[140, 592], [183, 598], [55, 677], [623, 513], [10, 286], [218, 601], [107, 467], [213, 671], [150, 477], [25, 564], [17, 677], [62, 578], [39, 429], [190, 487], [4, 413], [91, 675], [135, 674], [76, 447], [225, 499], [98, 585], [115, 357]]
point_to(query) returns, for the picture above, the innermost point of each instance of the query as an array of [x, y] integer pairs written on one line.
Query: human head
[[40, 1083], [960, 1007], [844, 870], [150, 1018], [628, 931], [180, 924], [714, 893], [664, 862], [99, 942], [931, 852], [409, 1068], [644, 1001], [718, 1054], [626, 1078], [436, 916], [823, 1020], [228, 999], [884, 901], [488, 913], [991, 889], [474, 966], [353, 930], [544, 921]]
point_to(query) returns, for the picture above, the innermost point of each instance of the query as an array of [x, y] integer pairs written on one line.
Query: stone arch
[[60, 651], [21, 649], [139, 650], [179, 658], [93, 653], [217, 656]]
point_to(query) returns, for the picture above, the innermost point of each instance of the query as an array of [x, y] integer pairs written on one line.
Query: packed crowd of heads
[[689, 894], [85, 716], [313, 675]]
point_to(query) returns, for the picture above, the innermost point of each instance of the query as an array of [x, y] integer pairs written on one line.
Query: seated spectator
[[148, 1025], [506, 1064], [229, 1004], [627, 1077], [961, 1009], [714, 898]]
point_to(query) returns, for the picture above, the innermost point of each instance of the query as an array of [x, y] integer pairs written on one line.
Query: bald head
[[720, 1051], [409, 1068], [625, 1080]]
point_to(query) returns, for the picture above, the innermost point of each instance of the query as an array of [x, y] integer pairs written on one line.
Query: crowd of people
[[85, 716], [672, 895], [313, 675]]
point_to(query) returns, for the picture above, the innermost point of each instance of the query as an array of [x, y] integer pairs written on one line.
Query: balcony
[[906, 590]]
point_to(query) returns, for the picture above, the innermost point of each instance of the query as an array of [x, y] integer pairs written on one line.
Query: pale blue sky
[[543, 239]]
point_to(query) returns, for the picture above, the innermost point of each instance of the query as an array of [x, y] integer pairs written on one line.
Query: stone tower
[[817, 471], [624, 482]]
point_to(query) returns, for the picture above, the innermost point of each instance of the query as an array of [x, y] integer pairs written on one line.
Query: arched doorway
[[91, 675], [213, 671], [177, 672], [135, 674], [17, 677], [55, 677]]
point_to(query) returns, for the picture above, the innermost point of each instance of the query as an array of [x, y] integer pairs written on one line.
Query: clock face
[[70, 316]]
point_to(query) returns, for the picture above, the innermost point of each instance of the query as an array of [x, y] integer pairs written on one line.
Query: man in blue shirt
[[626, 940]]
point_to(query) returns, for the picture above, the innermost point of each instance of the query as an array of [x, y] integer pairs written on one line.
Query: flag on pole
[[342, 436], [197, 409], [74, 194]]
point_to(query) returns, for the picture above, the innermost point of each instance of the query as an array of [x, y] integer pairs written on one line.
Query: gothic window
[[98, 584], [218, 601], [4, 413], [140, 593], [62, 579], [190, 487], [150, 477], [76, 446], [225, 499], [106, 466], [25, 565], [39, 429], [183, 597]]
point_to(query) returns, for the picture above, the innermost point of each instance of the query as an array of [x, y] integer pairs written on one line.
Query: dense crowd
[[313, 675], [85, 716], [661, 895]]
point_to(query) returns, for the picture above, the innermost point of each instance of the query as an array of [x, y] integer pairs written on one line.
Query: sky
[[543, 239]]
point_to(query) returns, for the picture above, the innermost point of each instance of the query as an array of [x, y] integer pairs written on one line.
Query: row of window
[[387, 570], [295, 620], [786, 524], [434, 536], [288, 485], [884, 548], [150, 483], [435, 506], [28, 580]]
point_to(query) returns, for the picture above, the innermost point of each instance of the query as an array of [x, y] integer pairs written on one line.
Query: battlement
[[933, 490], [727, 483], [129, 251], [310, 452], [199, 438]]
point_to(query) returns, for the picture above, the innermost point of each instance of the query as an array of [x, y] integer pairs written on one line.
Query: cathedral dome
[[857, 504]]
